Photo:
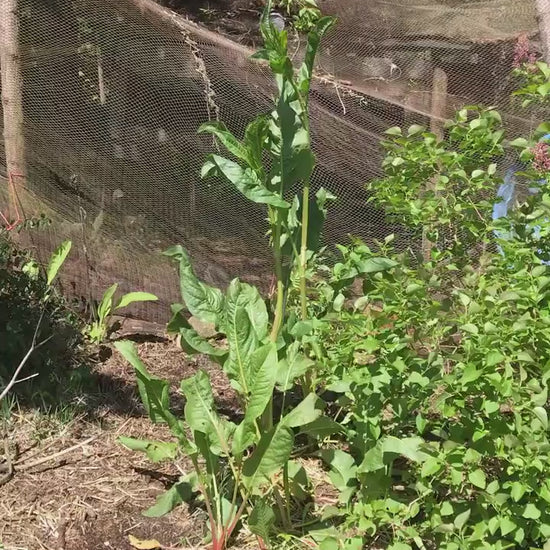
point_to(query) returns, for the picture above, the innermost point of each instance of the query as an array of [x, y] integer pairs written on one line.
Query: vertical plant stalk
[[275, 219], [277, 257], [304, 103], [303, 250]]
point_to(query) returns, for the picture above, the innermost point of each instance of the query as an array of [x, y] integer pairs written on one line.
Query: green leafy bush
[[441, 369], [26, 292], [444, 188]]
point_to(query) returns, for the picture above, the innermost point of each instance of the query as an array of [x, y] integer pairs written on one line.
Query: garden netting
[[114, 91]]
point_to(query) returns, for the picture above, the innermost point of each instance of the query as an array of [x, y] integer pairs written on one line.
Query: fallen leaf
[[150, 544]]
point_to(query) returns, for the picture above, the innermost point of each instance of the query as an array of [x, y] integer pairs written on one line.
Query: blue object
[[506, 193]]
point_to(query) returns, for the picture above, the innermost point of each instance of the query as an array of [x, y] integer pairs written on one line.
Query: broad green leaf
[[202, 301], [409, 447], [373, 459], [300, 486], [317, 216], [374, 265], [322, 427], [178, 320], [387, 448], [192, 343], [290, 140], [415, 129], [421, 423], [227, 139], [269, 456], [470, 374], [522, 143], [133, 297], [531, 512], [180, 492], [241, 333], [254, 139], [447, 509], [494, 358], [342, 465], [154, 392], [209, 451], [506, 526], [106, 304], [542, 415], [338, 302], [200, 413], [250, 298], [461, 519], [470, 328], [262, 372], [275, 446], [245, 180], [156, 451], [57, 259], [394, 131], [261, 519], [431, 467], [304, 413], [477, 478], [330, 543], [292, 367]]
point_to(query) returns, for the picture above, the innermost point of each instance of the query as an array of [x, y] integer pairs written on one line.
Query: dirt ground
[[76, 488]]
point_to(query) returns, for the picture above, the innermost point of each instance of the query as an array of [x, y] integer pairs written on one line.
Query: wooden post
[[439, 103], [12, 97], [437, 126], [543, 13]]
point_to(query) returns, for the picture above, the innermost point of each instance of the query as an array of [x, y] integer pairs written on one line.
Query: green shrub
[[23, 291], [441, 369]]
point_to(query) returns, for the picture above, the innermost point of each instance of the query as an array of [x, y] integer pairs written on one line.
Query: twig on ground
[[55, 455]]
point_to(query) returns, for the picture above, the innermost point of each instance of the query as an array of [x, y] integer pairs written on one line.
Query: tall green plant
[[284, 138], [236, 464]]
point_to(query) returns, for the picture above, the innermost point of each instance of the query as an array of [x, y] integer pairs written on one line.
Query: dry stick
[[45, 459], [34, 346]]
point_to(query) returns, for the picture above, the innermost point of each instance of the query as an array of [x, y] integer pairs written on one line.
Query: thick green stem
[[303, 250], [267, 419], [277, 256]]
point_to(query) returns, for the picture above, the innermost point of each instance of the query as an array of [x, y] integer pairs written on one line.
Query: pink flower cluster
[[541, 160], [522, 52]]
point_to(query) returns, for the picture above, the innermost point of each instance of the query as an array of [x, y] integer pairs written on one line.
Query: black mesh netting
[[114, 91]]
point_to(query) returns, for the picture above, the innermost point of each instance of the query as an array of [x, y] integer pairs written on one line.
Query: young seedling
[[99, 329]]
